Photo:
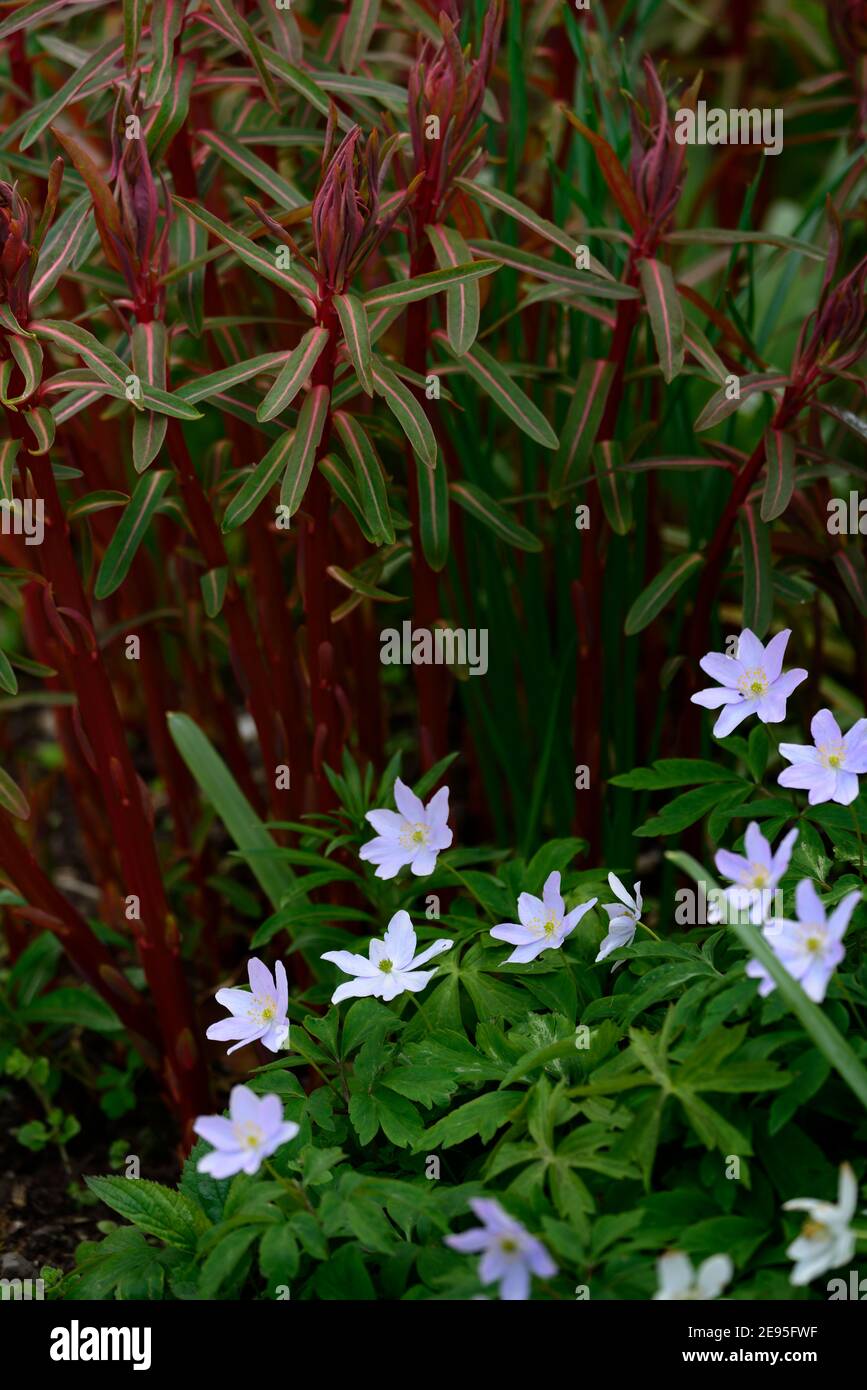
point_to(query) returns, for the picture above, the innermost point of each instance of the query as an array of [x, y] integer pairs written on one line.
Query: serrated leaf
[[158, 1211]]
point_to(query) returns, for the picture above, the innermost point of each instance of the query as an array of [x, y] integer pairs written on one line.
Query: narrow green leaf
[[406, 410], [167, 16], [666, 315], [257, 485], [421, 286], [12, 798], [149, 342], [293, 374], [494, 516], [297, 283], [463, 302], [496, 383], [779, 475], [302, 454], [579, 429], [213, 585], [369, 477], [357, 33], [758, 592], [660, 591], [614, 485], [130, 532], [356, 335], [433, 513]]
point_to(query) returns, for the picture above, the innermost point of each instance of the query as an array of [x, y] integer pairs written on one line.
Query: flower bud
[[16, 236]]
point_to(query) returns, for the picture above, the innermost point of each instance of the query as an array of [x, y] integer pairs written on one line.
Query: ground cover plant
[[432, 648]]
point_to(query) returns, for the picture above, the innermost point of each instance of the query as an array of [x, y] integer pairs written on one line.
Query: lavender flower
[[411, 836], [623, 917], [391, 966], [751, 683], [258, 1014], [829, 771], [254, 1130], [510, 1255], [755, 875], [544, 923], [810, 947]]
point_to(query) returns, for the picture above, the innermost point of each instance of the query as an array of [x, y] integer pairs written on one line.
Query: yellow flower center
[[249, 1135], [753, 683], [508, 1245], [830, 754], [814, 1230], [550, 927], [386, 966], [813, 943], [414, 835]]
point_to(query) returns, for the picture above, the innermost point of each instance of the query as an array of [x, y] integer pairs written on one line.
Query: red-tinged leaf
[[260, 174], [406, 410], [213, 585], [577, 282], [421, 286], [60, 246], [28, 355], [614, 485], [96, 502], [666, 315], [76, 340], [130, 532], [42, 426], [133, 17], [149, 362], [360, 585], [699, 347], [357, 33], [100, 64], [296, 282], [686, 463], [494, 516], [8, 454], [302, 455], [258, 484], [20, 18], [356, 335], [721, 404], [342, 485], [736, 236], [758, 590], [172, 111], [189, 243], [579, 429], [105, 208], [780, 474], [512, 207], [202, 388], [487, 373], [293, 374], [250, 44], [433, 514], [463, 301], [613, 173], [369, 476], [167, 17], [660, 591], [849, 564], [8, 678], [12, 798]]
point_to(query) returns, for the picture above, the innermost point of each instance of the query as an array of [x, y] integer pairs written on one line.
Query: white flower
[[254, 1130], [810, 947], [826, 1241], [412, 835], [391, 966], [829, 772], [756, 876], [509, 1253], [679, 1282], [544, 923], [259, 1013], [750, 683], [623, 917]]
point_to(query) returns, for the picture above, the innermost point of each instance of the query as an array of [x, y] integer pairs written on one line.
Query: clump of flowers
[[811, 946]]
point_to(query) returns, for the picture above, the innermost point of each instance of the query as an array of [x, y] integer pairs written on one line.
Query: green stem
[[857, 826]]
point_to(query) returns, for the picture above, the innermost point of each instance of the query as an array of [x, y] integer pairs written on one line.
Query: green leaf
[[130, 532], [356, 335], [76, 340], [78, 1008], [666, 315], [224, 1260], [213, 586], [223, 793], [580, 426], [149, 361], [299, 285], [685, 810], [676, 772], [758, 594], [660, 591], [614, 486], [779, 475], [492, 515], [154, 1209], [167, 18], [305, 442], [479, 1118], [260, 174], [433, 514], [357, 32], [463, 302], [293, 374], [257, 484], [406, 410], [12, 799], [722, 404], [494, 381], [8, 678], [422, 286], [368, 475]]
